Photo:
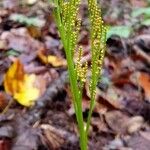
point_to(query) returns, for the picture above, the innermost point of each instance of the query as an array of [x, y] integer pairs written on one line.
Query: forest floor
[[121, 118]]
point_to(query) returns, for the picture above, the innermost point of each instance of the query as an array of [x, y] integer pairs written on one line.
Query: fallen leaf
[[51, 59], [110, 98], [145, 134], [31, 2], [134, 124], [144, 82], [138, 142], [4, 99], [117, 121], [51, 134], [27, 20], [20, 85], [13, 79], [138, 3], [3, 44], [29, 139], [27, 94], [20, 40], [34, 31], [10, 4], [5, 144], [6, 131]]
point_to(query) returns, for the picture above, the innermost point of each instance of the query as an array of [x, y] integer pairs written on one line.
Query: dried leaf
[[138, 3], [144, 82], [20, 40], [137, 142], [52, 135], [21, 85], [110, 98], [5, 144], [117, 121], [4, 99], [51, 59], [27, 94], [31, 2], [14, 78]]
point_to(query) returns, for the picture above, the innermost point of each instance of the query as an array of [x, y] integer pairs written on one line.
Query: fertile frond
[[81, 69], [98, 46], [68, 23], [98, 40]]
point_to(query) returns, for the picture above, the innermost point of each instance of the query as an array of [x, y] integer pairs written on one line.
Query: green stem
[[77, 100], [75, 90]]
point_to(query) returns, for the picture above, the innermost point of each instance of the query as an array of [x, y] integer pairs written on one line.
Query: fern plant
[[68, 23]]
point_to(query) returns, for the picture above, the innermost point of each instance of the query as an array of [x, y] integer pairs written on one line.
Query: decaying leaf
[[51, 59], [137, 142], [21, 85], [31, 2], [143, 80], [20, 40], [52, 135], [4, 99], [117, 121]]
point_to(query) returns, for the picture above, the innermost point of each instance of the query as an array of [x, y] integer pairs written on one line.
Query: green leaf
[[122, 31], [141, 11], [12, 52], [146, 22], [30, 21]]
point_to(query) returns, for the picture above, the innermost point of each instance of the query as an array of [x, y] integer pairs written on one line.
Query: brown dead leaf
[[3, 44], [54, 137], [5, 144], [145, 134], [138, 3], [134, 124], [35, 32], [98, 125], [10, 4], [4, 99], [111, 98], [137, 142], [144, 82], [21, 41], [28, 139], [40, 85], [116, 120]]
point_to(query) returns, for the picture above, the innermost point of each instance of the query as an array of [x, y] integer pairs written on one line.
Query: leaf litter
[[121, 116]]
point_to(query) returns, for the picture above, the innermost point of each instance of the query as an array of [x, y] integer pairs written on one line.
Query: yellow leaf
[[14, 78], [51, 59], [27, 94], [55, 61], [21, 85]]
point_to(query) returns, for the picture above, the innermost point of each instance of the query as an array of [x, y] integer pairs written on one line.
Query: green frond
[[68, 23], [98, 46], [98, 40], [81, 69]]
